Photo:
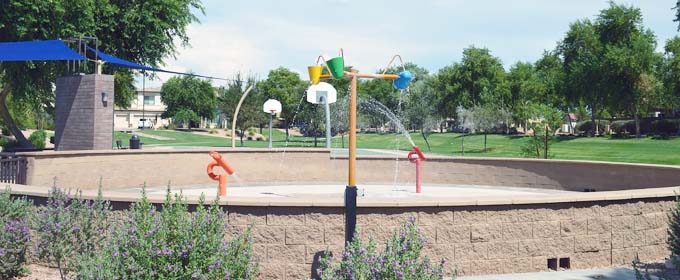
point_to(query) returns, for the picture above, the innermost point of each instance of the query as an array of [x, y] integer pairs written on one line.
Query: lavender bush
[[399, 260], [14, 235], [173, 244], [70, 228]]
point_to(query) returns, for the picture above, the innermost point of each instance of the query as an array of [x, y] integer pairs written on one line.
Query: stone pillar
[[83, 117]]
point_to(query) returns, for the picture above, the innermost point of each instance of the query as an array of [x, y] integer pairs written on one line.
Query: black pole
[[350, 213]]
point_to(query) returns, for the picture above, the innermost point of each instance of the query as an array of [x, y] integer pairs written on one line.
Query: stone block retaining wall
[[473, 239]]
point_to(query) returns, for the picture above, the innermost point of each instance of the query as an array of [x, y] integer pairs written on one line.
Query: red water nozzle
[[418, 152]]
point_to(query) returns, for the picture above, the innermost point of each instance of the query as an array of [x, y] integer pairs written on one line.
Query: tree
[[135, 30], [481, 78], [286, 87], [446, 90], [188, 93], [629, 59], [670, 73], [581, 51], [419, 110], [545, 121], [484, 118]]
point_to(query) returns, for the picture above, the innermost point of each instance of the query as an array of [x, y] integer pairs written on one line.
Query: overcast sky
[[253, 37]]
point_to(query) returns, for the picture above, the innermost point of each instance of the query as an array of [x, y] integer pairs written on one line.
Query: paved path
[[584, 274]]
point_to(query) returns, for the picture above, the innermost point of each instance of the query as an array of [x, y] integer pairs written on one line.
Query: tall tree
[[582, 55], [629, 59], [250, 114], [447, 97], [670, 73], [136, 30], [286, 87], [481, 78], [185, 94]]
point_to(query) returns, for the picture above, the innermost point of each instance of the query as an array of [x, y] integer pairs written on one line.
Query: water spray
[[222, 178]]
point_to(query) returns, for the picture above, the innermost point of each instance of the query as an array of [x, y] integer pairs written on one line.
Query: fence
[[13, 170]]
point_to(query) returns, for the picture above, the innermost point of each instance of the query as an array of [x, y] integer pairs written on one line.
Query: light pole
[[323, 93], [336, 69], [271, 106]]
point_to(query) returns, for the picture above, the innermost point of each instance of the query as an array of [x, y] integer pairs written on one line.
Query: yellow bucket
[[314, 74]]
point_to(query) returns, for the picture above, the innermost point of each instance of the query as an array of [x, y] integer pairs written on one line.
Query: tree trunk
[[343, 139], [287, 131], [242, 134], [637, 125], [545, 143], [261, 128], [422, 132], [485, 141], [592, 119], [9, 121], [462, 144]]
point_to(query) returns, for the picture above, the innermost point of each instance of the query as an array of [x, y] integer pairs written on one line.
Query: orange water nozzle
[[220, 161]]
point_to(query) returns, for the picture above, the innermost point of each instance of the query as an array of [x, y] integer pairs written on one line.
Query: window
[[149, 100]]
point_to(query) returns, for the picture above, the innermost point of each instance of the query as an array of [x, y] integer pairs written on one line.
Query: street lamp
[[323, 93], [335, 67], [271, 106]]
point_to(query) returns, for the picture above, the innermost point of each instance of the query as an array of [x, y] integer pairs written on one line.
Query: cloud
[[257, 36]]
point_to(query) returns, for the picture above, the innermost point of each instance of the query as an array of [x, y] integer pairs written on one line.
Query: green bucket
[[337, 66]]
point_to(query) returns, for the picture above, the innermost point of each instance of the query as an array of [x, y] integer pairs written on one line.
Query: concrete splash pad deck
[[365, 191]]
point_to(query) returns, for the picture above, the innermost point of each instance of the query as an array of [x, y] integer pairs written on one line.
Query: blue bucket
[[403, 81]]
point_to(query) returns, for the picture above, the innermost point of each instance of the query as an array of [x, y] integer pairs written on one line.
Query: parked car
[[145, 123]]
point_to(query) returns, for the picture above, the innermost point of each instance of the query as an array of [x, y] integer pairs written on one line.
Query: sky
[[253, 37]]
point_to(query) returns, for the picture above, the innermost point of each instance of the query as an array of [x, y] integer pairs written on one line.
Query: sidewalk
[[585, 274]]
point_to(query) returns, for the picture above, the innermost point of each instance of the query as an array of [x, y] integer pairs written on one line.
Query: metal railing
[[13, 169]]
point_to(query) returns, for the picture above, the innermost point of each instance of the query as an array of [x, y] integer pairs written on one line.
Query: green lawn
[[646, 150]]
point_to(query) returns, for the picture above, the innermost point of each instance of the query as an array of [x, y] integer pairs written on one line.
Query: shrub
[[173, 244], [14, 235], [8, 144], [70, 228], [213, 131], [584, 127], [399, 260], [673, 240], [37, 138], [665, 127], [621, 127], [6, 131], [171, 126]]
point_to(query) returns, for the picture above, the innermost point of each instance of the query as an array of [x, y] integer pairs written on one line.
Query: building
[[146, 105]]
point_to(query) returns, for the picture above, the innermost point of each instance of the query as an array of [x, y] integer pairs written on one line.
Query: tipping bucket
[[314, 73], [403, 81], [337, 67]]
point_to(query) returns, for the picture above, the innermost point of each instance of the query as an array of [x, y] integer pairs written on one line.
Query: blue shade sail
[[37, 50]]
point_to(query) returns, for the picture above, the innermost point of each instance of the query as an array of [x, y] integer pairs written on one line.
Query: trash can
[[134, 142]]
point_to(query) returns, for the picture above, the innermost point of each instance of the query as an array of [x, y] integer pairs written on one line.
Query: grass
[[646, 150]]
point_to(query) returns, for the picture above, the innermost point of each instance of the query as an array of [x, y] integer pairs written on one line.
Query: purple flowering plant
[[400, 259], [171, 242], [70, 228], [14, 235]]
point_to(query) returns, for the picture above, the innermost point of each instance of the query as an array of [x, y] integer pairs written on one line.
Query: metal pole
[[328, 123], [271, 116], [144, 97], [233, 122], [351, 188]]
